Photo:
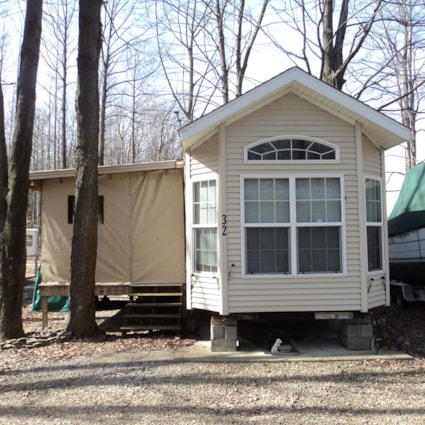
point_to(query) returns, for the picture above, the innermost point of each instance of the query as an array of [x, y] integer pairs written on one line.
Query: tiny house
[[285, 201]]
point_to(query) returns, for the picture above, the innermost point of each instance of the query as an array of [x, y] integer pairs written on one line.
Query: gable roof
[[381, 129]]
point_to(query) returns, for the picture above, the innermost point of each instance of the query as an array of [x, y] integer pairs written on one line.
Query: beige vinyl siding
[[204, 159], [205, 293], [371, 159], [291, 115], [204, 290], [376, 292], [372, 166]]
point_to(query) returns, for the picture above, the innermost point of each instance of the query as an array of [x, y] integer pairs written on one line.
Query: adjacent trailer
[[141, 246], [406, 229]]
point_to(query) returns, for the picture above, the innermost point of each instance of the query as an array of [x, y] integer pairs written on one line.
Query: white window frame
[[375, 224], [196, 226], [292, 161], [293, 226]]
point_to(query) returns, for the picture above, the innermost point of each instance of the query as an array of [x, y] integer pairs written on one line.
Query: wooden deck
[[152, 306]]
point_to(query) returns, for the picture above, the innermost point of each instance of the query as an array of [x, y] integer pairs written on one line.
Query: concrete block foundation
[[356, 334], [224, 334]]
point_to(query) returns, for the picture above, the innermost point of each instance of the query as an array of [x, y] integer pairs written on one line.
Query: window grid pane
[[319, 250], [266, 200], [205, 250], [291, 149], [204, 203], [374, 232], [373, 201], [318, 200], [374, 244], [267, 250], [205, 220]]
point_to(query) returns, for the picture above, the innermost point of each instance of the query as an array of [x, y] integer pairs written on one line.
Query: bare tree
[[402, 42], [204, 49], [82, 321], [234, 36], [181, 44], [15, 183], [160, 134], [333, 49], [118, 38], [391, 76], [59, 48]]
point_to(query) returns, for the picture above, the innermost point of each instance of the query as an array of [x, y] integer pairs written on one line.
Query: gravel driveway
[[84, 392]]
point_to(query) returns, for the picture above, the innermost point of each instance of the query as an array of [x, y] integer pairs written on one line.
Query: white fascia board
[[358, 110], [314, 89], [249, 101]]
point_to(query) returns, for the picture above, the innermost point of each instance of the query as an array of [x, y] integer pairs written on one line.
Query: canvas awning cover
[[409, 210], [142, 238]]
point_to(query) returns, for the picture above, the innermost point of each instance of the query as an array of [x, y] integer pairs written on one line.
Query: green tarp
[[54, 303], [409, 210]]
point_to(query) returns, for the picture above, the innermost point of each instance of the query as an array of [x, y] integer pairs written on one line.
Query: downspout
[[222, 224], [362, 219], [386, 277]]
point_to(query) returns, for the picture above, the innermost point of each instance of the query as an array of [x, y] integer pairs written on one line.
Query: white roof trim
[[108, 169], [300, 83]]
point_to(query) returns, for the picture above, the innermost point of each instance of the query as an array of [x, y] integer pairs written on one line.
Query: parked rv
[[406, 230]]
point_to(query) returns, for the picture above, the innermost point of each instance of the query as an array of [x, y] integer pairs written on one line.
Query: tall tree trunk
[[3, 164], [241, 60], [13, 231], [334, 64], [63, 109], [84, 239], [407, 76], [333, 43], [224, 76], [102, 121]]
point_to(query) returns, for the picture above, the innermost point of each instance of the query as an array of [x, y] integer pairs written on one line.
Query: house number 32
[[224, 224]]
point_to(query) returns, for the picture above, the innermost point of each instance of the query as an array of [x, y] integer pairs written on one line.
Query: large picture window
[[374, 224], [297, 214], [205, 226]]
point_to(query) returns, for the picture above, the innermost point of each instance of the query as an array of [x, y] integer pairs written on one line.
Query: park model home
[[285, 202]]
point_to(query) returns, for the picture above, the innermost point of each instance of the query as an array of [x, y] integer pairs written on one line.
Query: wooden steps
[[154, 307]]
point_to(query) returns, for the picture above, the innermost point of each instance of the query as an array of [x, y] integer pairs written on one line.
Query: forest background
[[165, 63]]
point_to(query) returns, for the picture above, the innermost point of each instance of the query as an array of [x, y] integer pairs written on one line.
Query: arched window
[[291, 149]]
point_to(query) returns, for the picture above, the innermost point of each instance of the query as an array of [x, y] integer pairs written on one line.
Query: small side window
[[71, 209], [374, 224]]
